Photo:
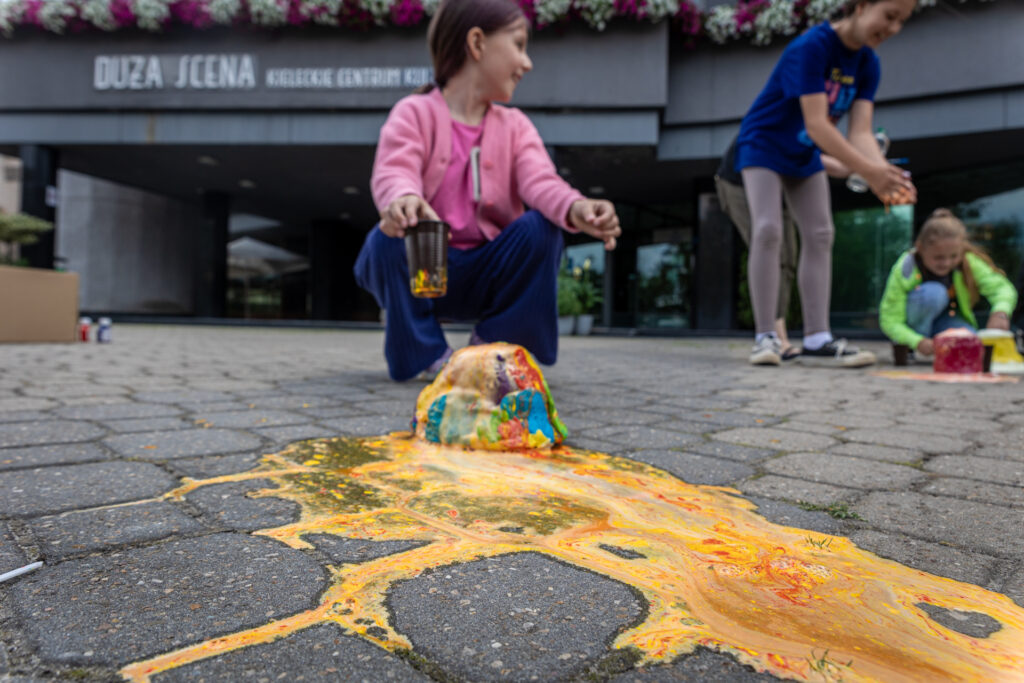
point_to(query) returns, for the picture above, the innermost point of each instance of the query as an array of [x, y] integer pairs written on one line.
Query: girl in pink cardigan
[[450, 153]]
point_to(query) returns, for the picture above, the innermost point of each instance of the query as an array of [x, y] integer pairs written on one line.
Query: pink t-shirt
[[455, 202]]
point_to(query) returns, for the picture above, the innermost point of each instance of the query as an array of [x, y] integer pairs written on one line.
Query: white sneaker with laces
[[767, 351]]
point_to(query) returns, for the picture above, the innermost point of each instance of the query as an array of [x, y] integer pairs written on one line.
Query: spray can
[[84, 325], [103, 331], [855, 182]]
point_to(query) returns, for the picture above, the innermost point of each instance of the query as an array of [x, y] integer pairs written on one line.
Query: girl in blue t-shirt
[[828, 71]]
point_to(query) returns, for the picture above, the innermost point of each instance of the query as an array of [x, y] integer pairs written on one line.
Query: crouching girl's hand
[[597, 218], [926, 347], [998, 321], [403, 213]]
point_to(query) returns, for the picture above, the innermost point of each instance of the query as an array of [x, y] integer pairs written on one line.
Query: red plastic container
[[958, 351]]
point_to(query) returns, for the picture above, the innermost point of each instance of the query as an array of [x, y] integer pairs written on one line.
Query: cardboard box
[[37, 305]]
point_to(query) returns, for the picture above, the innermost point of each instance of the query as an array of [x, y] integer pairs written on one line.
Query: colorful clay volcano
[[493, 397]]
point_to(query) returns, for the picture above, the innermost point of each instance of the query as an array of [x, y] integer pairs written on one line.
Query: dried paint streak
[[713, 572], [947, 377]]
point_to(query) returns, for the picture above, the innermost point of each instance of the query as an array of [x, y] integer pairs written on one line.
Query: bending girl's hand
[[597, 218], [926, 347], [403, 213], [998, 321], [891, 184]]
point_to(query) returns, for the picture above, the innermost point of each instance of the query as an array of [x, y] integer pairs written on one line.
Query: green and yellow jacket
[[905, 276]]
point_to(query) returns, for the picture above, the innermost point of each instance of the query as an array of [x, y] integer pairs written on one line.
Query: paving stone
[[214, 465], [77, 533], [970, 489], [841, 419], [149, 424], [318, 653], [610, 416], [355, 550], [200, 410], [73, 389], [786, 488], [977, 526], [56, 489], [845, 471], [282, 436], [790, 515], [876, 452], [61, 454], [181, 443], [183, 396], [129, 605], [18, 403], [24, 416], [720, 449], [779, 439], [1013, 586], [333, 410], [695, 469], [906, 439], [254, 418], [117, 411], [512, 617], [703, 665], [641, 436], [226, 505], [599, 445], [796, 425], [277, 401], [1001, 452], [49, 431], [371, 425], [974, 624], [986, 469], [941, 560], [11, 557]]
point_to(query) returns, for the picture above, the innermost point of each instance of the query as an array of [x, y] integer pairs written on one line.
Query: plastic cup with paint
[[426, 250]]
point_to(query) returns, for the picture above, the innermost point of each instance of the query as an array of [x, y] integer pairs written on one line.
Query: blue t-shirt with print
[[772, 134]]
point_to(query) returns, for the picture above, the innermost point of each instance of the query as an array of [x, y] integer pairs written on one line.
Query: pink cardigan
[[413, 154]]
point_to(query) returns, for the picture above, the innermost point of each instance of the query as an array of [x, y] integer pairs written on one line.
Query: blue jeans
[[508, 284], [926, 308]]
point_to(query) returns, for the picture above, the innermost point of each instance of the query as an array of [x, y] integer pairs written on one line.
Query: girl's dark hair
[[453, 19], [943, 225]]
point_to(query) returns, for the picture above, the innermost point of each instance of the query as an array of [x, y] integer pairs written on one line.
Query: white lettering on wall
[[127, 72], [216, 72]]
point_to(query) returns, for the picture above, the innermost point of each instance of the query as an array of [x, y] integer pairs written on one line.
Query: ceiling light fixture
[[350, 189], [246, 184], [206, 160]]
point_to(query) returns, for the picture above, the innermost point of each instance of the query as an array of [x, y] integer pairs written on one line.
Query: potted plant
[[36, 305], [568, 302], [589, 297]]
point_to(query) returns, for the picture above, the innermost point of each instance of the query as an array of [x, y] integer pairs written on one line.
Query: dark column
[[39, 198], [333, 248], [716, 267], [211, 242]]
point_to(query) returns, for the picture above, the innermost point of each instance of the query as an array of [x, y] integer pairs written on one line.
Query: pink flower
[[32, 8], [188, 12], [528, 11], [122, 12], [406, 12]]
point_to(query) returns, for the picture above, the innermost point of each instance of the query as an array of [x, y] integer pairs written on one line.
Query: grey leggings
[[811, 205]]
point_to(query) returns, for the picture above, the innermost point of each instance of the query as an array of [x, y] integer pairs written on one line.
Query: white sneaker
[[837, 354], [767, 351]]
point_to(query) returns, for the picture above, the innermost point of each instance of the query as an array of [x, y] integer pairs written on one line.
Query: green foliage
[[577, 291], [19, 228], [568, 295], [837, 510]]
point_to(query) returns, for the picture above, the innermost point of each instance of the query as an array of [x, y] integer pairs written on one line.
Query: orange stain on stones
[[713, 572]]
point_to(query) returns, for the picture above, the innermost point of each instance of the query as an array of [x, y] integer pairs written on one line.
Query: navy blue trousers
[[509, 285]]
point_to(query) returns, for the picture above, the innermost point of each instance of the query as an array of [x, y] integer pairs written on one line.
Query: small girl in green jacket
[[934, 286]]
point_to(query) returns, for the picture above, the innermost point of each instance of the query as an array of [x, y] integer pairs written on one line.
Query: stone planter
[[584, 324], [566, 325], [37, 305]]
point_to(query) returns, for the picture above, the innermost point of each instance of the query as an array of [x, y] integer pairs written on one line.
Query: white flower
[[380, 9], [97, 13], [151, 14], [54, 15], [596, 12], [776, 18], [268, 12], [818, 11], [224, 12], [721, 24], [11, 14], [322, 11], [657, 10], [551, 11]]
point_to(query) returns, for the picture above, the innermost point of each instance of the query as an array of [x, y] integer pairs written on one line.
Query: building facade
[[225, 172]]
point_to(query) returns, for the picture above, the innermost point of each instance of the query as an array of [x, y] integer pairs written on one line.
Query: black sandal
[[790, 353]]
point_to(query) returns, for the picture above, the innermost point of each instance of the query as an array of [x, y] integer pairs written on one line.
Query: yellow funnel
[[1005, 358]]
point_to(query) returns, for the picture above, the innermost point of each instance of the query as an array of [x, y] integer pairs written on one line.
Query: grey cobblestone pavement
[[929, 475]]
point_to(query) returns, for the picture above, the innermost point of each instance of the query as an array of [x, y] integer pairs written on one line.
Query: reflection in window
[[662, 297], [996, 223]]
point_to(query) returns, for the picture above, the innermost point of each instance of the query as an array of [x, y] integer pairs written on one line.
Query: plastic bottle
[[103, 331], [84, 326], [855, 182]]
